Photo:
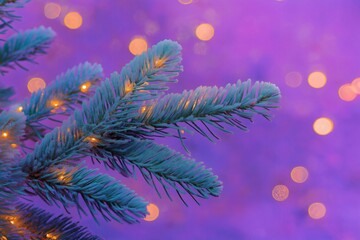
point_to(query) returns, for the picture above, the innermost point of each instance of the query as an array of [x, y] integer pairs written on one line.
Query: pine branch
[[6, 13], [5, 95], [61, 97], [158, 162], [212, 106], [29, 222], [24, 46], [101, 193]]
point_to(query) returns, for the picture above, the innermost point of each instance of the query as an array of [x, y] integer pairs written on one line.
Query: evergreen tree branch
[[6, 13], [29, 222], [212, 106], [5, 95], [101, 193], [169, 168], [24, 46], [60, 97]]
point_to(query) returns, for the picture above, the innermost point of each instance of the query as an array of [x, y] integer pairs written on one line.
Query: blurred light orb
[[205, 32], [153, 212], [280, 193], [356, 85], [185, 2], [317, 79], [35, 84], [299, 174], [317, 210], [323, 126], [73, 20], [293, 79], [138, 45], [347, 92], [52, 10]]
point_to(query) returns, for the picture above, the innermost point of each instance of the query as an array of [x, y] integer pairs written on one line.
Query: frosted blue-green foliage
[[24, 46], [114, 126], [41, 223], [66, 90], [7, 16]]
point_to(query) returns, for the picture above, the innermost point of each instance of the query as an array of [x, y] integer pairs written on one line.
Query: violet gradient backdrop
[[257, 39]]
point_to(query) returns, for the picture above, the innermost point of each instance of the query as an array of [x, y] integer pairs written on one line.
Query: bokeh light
[[347, 92], [138, 45], [356, 85], [204, 31], [317, 210], [323, 126], [293, 79], [299, 174], [185, 2], [35, 84], [52, 10], [73, 20], [317, 79], [153, 212], [280, 193]]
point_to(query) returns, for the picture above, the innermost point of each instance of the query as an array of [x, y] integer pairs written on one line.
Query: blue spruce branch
[[24, 46], [60, 97], [6, 13]]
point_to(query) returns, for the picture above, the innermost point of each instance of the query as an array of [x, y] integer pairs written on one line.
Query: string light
[[52, 10], [153, 212], [50, 236], [55, 103], [160, 62], [138, 45], [85, 87], [317, 210], [20, 109], [73, 20], [35, 84], [317, 79], [185, 2], [347, 92], [142, 109], [280, 193], [13, 145], [299, 174], [205, 31], [323, 126], [5, 134], [356, 85], [129, 87]]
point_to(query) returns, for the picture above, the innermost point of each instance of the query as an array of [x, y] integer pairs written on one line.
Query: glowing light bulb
[[153, 212], [55, 103], [317, 79], [299, 174], [85, 87], [5, 134], [182, 131], [280, 193], [52, 10], [347, 92], [35, 84], [73, 20], [129, 87], [293, 79], [205, 31], [13, 145], [356, 85], [138, 45], [317, 210], [185, 2], [323, 126], [143, 109], [160, 62]]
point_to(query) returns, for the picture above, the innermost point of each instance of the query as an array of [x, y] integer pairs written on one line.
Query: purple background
[[257, 39]]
